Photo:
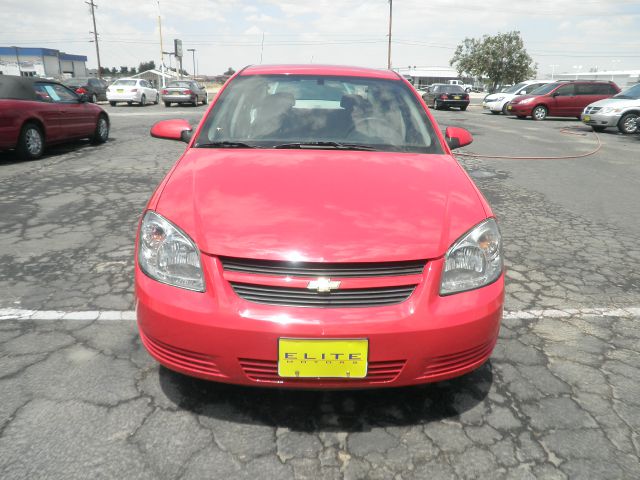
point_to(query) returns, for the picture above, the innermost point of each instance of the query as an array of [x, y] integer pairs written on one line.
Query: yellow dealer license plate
[[326, 358], [457, 97], [120, 90], [586, 118], [509, 107]]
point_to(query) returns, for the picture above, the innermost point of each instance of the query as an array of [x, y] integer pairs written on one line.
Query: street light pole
[[193, 52], [389, 47], [161, 48]]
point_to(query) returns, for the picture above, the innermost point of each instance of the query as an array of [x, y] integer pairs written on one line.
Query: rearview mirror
[[177, 129], [457, 137]]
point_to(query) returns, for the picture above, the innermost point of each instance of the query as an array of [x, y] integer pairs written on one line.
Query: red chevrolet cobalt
[[318, 233]]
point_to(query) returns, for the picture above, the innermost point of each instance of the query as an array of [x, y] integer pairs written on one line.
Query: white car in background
[[621, 110], [496, 103], [132, 90]]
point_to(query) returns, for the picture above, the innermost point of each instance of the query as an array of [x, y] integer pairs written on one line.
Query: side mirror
[[172, 130], [83, 98], [457, 137], [555, 94]]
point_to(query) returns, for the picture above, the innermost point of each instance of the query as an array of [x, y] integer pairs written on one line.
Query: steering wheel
[[383, 125]]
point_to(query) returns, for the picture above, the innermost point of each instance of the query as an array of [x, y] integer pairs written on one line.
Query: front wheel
[[494, 112], [94, 98], [539, 113], [505, 110], [143, 100], [468, 90], [157, 101], [206, 100], [167, 104], [30, 142], [435, 105], [628, 123], [101, 133], [113, 104]]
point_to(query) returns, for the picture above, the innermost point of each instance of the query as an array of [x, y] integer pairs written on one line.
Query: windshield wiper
[[225, 144], [319, 145]]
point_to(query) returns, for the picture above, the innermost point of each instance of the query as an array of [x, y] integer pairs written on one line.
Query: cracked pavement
[[559, 398]]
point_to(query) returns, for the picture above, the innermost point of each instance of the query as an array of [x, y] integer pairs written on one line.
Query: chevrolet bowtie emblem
[[323, 285]]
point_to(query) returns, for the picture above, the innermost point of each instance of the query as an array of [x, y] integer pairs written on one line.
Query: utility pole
[[193, 52], [95, 34], [261, 48], [389, 48]]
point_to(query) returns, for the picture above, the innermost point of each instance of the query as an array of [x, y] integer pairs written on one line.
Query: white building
[[622, 78], [41, 62], [429, 75], [155, 77]]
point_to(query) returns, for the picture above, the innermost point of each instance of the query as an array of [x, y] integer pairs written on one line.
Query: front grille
[[302, 297], [446, 364], [310, 269], [267, 371], [591, 110], [195, 362]]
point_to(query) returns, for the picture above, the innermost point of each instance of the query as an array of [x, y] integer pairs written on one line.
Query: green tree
[[124, 70], [501, 58], [230, 71], [144, 66], [114, 70]]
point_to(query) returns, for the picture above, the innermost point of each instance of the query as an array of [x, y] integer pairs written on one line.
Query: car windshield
[[630, 93], [304, 111], [75, 82], [179, 84], [128, 83], [543, 90], [515, 88], [450, 89]]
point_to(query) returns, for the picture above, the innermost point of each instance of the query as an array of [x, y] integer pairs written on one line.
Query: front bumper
[[519, 109], [599, 120], [219, 336], [493, 106]]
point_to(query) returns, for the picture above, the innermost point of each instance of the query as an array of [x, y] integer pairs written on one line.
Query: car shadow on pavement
[[329, 411]]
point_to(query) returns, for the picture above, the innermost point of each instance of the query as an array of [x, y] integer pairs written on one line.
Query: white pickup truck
[[467, 87]]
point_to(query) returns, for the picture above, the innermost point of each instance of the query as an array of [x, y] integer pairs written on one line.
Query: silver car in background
[[184, 91], [621, 110]]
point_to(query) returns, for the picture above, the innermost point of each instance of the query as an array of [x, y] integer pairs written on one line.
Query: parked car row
[[599, 104], [137, 90]]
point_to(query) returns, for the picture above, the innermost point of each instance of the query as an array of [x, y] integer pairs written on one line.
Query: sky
[[561, 36]]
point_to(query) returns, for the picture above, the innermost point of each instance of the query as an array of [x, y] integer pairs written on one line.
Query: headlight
[[607, 110], [499, 99], [168, 255], [474, 260], [527, 100]]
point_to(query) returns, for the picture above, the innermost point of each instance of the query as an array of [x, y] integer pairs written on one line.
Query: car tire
[[505, 111], [494, 112], [129, 103], [157, 101], [435, 105], [539, 113], [101, 133], [468, 90], [462, 109], [143, 100], [113, 104], [628, 123], [597, 128], [195, 101], [30, 142], [94, 98], [206, 100], [167, 104]]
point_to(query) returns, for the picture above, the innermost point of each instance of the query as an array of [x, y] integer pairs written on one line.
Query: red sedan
[[318, 233], [35, 113]]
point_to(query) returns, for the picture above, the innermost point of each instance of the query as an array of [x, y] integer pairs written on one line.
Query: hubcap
[[34, 141], [103, 128], [539, 113], [630, 124]]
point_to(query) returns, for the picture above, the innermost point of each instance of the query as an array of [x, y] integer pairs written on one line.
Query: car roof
[[332, 70], [20, 88]]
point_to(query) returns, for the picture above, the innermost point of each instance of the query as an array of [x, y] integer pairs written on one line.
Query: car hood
[[319, 205], [616, 102]]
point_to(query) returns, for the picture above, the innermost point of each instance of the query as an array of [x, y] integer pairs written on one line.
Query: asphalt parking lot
[[560, 398]]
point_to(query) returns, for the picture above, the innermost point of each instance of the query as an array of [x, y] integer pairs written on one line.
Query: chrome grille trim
[[301, 297], [313, 269]]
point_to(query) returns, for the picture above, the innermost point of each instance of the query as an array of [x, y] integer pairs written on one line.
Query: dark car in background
[[35, 113], [94, 88], [441, 95], [561, 99], [184, 91]]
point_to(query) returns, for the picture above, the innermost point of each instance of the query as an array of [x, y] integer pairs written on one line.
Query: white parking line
[[130, 315]]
